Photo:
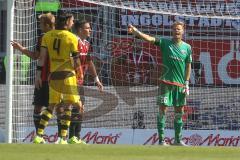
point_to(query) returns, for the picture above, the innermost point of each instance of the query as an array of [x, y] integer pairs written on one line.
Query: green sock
[[178, 124], [161, 118]]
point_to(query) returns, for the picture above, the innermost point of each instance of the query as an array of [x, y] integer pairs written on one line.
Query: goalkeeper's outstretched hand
[[131, 29]]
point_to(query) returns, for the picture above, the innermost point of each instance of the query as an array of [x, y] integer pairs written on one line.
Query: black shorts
[[41, 95]]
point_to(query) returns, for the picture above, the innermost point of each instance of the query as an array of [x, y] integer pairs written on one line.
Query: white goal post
[[9, 71]]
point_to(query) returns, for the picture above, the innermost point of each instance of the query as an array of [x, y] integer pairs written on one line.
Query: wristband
[[96, 79], [186, 83], [39, 68]]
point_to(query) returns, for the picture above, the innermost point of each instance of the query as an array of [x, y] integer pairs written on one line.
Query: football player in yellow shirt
[[62, 47]]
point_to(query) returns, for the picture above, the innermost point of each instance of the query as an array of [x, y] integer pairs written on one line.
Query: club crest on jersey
[[183, 51]]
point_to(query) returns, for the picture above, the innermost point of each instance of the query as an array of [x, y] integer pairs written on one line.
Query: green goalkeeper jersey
[[174, 60]]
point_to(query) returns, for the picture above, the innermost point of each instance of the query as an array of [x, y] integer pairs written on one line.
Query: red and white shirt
[[85, 57]]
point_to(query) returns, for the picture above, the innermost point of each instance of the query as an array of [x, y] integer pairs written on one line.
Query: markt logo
[[97, 138], [199, 140], [89, 137]]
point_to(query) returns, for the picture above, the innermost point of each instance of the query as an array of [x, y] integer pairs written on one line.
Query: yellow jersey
[[60, 44]]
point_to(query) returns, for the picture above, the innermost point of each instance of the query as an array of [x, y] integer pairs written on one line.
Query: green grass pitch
[[114, 152]]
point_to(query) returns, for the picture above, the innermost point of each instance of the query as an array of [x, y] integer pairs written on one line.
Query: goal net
[[129, 68], [24, 31]]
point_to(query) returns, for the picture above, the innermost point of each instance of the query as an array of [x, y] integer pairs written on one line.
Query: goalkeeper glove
[[186, 88]]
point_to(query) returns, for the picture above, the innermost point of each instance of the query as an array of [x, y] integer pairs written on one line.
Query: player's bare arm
[[41, 62], [188, 71], [133, 30], [94, 73], [76, 63], [24, 50]]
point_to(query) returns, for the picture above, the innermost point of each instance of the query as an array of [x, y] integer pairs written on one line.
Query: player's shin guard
[[46, 116], [161, 119], [65, 122], [178, 124]]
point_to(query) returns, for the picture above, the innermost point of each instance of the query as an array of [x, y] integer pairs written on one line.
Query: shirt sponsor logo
[[83, 54], [176, 58]]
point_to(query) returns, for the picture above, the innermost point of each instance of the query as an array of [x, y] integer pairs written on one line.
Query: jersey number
[[56, 45]]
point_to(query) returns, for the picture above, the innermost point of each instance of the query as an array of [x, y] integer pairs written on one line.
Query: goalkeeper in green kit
[[174, 80]]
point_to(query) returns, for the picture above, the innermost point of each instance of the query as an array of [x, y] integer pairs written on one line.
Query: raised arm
[[76, 63], [24, 50], [133, 30]]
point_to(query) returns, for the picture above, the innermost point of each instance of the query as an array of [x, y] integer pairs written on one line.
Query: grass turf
[[114, 152]]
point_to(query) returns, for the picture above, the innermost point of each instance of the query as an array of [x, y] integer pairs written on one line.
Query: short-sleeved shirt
[[85, 57], [174, 59], [60, 44]]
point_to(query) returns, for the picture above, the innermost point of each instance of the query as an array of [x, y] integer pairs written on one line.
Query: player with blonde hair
[[174, 80], [62, 47], [47, 23]]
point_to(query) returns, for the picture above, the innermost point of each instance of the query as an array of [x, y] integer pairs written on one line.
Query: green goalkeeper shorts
[[171, 96]]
